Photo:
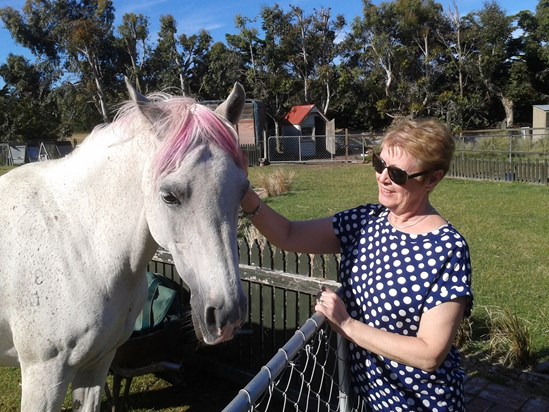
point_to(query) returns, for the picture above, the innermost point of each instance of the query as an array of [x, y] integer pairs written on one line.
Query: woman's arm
[[426, 351], [310, 236]]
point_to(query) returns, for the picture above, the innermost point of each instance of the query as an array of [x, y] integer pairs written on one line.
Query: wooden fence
[[523, 170]]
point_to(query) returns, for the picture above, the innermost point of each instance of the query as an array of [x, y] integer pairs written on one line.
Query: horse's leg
[[43, 387], [88, 386]]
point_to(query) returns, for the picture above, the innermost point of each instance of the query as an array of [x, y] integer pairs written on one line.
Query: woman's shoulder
[[448, 231], [362, 211], [349, 223]]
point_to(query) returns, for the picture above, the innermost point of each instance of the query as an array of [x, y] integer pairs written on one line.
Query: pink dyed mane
[[186, 124]]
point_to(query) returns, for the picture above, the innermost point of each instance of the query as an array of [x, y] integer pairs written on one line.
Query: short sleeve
[[454, 278]]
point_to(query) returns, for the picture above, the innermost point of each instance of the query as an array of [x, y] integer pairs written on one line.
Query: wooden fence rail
[[499, 170]]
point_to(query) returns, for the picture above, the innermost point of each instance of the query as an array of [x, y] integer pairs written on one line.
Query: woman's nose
[[384, 176]]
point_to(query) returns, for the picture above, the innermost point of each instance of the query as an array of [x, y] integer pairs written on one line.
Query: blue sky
[[217, 16]]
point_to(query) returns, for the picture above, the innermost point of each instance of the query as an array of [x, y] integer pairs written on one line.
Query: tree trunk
[[96, 72], [508, 106]]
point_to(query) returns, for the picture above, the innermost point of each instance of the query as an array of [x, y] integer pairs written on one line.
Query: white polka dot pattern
[[390, 278]]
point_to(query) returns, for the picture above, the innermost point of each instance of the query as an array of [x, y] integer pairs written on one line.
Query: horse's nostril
[[210, 316]]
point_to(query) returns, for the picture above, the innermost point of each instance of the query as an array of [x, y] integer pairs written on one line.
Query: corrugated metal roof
[[544, 107], [297, 114]]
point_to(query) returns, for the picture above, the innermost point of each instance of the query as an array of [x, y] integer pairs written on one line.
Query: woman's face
[[408, 198]]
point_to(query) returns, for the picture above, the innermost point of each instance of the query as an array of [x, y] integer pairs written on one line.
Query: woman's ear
[[433, 179]]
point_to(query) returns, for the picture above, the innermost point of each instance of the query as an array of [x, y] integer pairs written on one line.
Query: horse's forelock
[[187, 124]]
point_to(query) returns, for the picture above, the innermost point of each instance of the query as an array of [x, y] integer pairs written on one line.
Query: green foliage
[[399, 58], [28, 104]]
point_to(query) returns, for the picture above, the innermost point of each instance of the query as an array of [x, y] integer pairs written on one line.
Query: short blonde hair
[[428, 140]]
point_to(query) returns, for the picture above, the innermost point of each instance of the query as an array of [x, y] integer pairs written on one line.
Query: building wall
[[540, 118], [246, 131]]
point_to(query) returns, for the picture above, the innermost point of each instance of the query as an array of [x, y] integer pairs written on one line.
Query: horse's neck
[[108, 178]]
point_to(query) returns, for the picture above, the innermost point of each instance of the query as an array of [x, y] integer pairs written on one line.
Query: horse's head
[[193, 190]]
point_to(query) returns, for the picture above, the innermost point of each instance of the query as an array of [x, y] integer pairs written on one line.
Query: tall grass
[[506, 226]]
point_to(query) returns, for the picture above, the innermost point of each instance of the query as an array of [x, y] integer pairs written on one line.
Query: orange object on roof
[[297, 114]]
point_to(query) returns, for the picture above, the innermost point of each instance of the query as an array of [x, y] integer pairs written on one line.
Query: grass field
[[505, 224]]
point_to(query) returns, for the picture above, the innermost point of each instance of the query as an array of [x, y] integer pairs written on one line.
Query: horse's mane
[[183, 125]]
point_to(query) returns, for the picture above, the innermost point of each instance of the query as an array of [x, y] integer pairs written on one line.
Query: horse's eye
[[170, 199]]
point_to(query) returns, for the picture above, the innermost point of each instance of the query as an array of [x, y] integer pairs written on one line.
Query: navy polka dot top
[[390, 278]]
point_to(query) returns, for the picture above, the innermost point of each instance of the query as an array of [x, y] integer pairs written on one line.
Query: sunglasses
[[398, 176]]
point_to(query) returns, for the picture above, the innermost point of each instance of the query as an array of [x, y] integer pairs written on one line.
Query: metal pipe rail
[[256, 387]]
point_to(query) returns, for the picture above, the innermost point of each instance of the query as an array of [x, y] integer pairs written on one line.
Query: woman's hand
[[330, 305]]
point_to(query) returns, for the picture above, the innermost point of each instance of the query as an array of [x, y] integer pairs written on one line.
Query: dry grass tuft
[[465, 333], [510, 338], [277, 183]]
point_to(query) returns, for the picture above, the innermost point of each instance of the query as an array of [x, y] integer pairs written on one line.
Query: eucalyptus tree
[[78, 34], [164, 66], [134, 34], [418, 23], [248, 46], [392, 43], [325, 35], [264, 59], [28, 106], [495, 57], [310, 41], [280, 84], [460, 101], [292, 60], [194, 52], [221, 69], [177, 60], [535, 48], [378, 51]]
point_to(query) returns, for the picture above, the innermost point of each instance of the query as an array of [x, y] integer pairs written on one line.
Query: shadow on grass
[[197, 391]]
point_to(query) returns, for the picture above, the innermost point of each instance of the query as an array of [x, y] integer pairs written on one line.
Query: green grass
[[505, 224]]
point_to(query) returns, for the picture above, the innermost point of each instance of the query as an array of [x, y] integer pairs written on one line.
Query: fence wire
[[309, 373]]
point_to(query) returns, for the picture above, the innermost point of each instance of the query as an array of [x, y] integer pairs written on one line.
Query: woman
[[405, 271]]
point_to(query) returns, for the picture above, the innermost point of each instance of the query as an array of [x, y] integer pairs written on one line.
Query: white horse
[[77, 233]]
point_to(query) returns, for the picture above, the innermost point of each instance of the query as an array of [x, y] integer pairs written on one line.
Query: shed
[[308, 122], [12, 154], [305, 120]]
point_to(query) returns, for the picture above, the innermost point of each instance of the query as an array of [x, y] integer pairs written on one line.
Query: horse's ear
[[148, 109], [231, 109]]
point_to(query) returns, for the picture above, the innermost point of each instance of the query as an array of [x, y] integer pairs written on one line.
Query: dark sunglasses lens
[[398, 176], [377, 163]]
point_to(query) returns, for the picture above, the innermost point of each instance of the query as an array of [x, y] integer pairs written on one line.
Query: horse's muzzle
[[220, 322]]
